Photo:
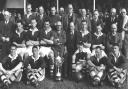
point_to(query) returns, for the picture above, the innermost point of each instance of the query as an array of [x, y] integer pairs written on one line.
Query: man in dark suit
[[109, 21], [6, 31], [69, 17], [71, 46], [41, 18]]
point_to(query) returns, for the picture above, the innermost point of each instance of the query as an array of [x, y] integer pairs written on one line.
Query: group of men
[[94, 45]]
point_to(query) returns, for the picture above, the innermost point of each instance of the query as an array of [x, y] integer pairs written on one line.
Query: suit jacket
[[71, 42], [7, 30]]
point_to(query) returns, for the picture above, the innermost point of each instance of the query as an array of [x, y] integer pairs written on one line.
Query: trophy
[[58, 67]]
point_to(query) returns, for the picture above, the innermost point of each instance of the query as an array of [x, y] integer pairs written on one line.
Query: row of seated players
[[97, 66]]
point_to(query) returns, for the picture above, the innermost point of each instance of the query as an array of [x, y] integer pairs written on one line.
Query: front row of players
[[97, 66]]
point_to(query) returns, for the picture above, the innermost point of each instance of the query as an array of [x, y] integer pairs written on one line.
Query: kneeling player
[[11, 68], [35, 67], [97, 66], [117, 67], [79, 63]]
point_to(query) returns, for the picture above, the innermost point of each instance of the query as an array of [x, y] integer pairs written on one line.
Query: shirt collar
[[6, 22], [84, 33], [19, 33], [34, 30], [98, 35], [116, 57], [35, 59], [47, 31], [12, 58]]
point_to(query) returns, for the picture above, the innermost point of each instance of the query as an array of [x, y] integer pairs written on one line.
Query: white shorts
[[29, 50], [21, 50], [45, 51], [86, 50]]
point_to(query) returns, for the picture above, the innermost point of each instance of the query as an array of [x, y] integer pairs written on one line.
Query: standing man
[[53, 17], [28, 17], [6, 31], [69, 17], [71, 45], [109, 21], [41, 17]]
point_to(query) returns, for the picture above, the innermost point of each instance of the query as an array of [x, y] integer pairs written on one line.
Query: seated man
[[79, 63], [97, 66], [117, 65], [11, 68], [35, 66], [98, 39]]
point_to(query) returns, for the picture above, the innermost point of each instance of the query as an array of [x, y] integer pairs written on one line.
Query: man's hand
[[42, 42], [7, 39], [4, 39]]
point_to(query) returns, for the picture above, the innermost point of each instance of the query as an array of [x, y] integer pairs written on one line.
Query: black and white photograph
[[63, 44]]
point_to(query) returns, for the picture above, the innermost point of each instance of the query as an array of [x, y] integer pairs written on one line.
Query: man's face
[[98, 28], [19, 15], [123, 12], [115, 49], [6, 17], [80, 47], [33, 23], [98, 52], [83, 12], [29, 8], [114, 28], [113, 12], [84, 26], [58, 27], [41, 10], [13, 50], [46, 25], [35, 51], [19, 26], [53, 11], [70, 8], [96, 14]]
